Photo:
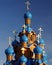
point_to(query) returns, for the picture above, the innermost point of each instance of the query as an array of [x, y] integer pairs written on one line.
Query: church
[[30, 49]]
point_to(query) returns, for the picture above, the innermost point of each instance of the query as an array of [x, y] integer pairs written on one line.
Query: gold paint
[[23, 50], [22, 64], [38, 56], [32, 47], [41, 64], [24, 44], [9, 57], [28, 21], [44, 64], [33, 57]]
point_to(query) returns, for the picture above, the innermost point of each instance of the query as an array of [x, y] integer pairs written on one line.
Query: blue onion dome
[[24, 38], [9, 51], [38, 61], [38, 50], [23, 59], [28, 15], [15, 42], [41, 41]]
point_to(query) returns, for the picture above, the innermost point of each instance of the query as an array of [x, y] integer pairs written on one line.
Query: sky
[[12, 18]]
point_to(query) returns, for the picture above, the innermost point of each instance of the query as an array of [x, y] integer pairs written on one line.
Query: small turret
[[38, 50], [27, 15], [40, 39], [38, 55], [24, 40], [9, 52], [15, 42]]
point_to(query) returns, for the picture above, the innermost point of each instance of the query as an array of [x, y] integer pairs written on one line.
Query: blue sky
[[12, 17]]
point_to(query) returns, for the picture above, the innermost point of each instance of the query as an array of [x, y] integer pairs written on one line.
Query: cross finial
[[9, 41], [40, 29], [27, 5], [38, 36], [15, 32]]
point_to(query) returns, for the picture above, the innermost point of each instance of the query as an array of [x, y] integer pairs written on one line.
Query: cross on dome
[[40, 32], [9, 41], [38, 36], [15, 33], [27, 4], [40, 29]]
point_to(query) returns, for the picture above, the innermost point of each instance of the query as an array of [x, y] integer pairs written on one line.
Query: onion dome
[[24, 38], [38, 50], [27, 15], [23, 59], [9, 51], [41, 41], [15, 43]]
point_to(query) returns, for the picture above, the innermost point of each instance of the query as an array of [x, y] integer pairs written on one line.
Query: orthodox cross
[[15, 33], [27, 5], [38, 36], [9, 42], [40, 32]]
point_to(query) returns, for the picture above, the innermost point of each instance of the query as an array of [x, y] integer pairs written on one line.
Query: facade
[[29, 50]]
